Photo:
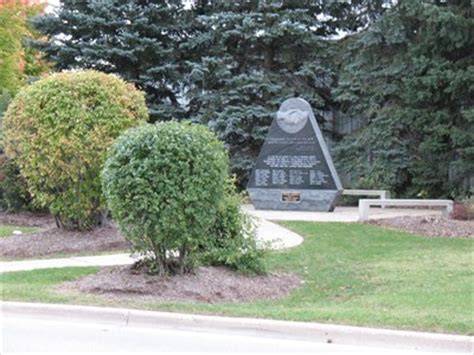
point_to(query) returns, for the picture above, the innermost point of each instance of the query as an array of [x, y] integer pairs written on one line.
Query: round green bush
[[163, 184], [58, 131]]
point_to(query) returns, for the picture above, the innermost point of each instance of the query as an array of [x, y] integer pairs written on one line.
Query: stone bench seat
[[365, 204]]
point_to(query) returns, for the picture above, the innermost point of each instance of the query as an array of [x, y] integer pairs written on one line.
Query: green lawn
[[354, 274], [7, 231]]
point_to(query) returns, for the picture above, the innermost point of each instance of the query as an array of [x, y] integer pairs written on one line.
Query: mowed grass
[[7, 231], [352, 274]]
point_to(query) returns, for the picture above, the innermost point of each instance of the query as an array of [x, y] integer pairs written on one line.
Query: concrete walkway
[[276, 236], [340, 214], [75, 261], [268, 233]]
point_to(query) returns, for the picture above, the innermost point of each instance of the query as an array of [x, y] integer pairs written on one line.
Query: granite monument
[[294, 170]]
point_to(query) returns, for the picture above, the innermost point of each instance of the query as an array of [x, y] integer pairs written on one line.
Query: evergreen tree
[[409, 78], [226, 64], [256, 54], [137, 39]]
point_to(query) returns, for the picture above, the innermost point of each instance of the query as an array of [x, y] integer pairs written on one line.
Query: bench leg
[[363, 211], [385, 195], [449, 208]]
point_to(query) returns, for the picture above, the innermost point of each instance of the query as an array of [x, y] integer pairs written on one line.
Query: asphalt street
[[25, 334]]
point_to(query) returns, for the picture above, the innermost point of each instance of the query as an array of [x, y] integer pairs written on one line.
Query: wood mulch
[[206, 285], [50, 240], [27, 219], [432, 226]]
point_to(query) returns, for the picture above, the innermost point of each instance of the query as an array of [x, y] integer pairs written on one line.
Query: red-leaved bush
[[463, 211]]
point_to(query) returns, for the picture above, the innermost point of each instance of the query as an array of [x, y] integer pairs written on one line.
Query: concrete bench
[[365, 204]]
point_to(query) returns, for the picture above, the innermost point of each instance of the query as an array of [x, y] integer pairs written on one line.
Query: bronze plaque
[[291, 197]]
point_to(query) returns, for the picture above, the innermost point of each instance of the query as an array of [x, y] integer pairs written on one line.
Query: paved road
[[23, 334]]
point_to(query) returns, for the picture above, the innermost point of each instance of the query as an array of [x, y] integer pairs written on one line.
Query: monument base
[[294, 200]]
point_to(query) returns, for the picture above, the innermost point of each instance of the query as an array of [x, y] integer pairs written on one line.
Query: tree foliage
[[58, 130], [404, 70], [255, 57], [139, 40], [256, 54], [226, 64], [17, 61], [409, 77]]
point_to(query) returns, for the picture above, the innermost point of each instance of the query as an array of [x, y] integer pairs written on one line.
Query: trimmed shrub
[[58, 130], [232, 238], [163, 184], [14, 194]]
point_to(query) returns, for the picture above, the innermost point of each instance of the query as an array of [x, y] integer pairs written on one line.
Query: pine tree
[[409, 77]]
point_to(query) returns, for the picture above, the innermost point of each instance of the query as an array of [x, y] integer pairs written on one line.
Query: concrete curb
[[327, 333]]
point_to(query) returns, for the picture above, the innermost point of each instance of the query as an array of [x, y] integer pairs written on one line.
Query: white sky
[[51, 5]]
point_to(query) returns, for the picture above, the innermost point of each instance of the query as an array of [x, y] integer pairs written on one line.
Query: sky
[[51, 5]]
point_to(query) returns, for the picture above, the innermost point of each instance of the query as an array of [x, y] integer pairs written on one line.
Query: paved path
[[277, 236], [267, 233], [340, 214], [99, 260]]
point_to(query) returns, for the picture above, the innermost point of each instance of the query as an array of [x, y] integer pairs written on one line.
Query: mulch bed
[[27, 219], [432, 226], [51, 240], [206, 285]]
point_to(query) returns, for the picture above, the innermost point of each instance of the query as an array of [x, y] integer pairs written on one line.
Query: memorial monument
[[294, 170]]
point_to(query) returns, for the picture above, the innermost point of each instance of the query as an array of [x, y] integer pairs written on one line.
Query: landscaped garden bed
[[205, 285], [47, 240], [434, 226], [151, 161], [354, 274], [27, 219]]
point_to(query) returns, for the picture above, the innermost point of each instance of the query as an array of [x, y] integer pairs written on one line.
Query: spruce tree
[[136, 39], [226, 64], [409, 78], [256, 54]]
